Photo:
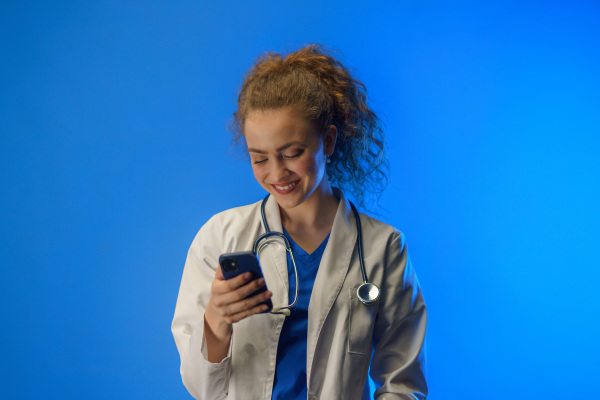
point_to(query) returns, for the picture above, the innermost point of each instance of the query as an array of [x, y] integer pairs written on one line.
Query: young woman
[[307, 126]]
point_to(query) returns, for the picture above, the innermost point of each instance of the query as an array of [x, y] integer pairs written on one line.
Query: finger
[[244, 305], [257, 309], [233, 296], [229, 285]]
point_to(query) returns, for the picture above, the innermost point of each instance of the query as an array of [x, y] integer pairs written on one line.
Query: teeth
[[291, 185]]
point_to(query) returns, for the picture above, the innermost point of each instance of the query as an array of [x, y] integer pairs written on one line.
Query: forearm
[[218, 336]]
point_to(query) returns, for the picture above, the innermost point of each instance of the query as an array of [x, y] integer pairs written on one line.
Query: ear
[[329, 140]]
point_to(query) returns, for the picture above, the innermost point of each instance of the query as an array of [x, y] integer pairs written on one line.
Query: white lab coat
[[344, 336]]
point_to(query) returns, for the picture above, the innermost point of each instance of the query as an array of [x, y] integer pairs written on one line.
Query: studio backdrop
[[115, 150]]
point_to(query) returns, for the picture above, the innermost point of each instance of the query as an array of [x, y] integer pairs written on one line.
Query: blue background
[[114, 150]]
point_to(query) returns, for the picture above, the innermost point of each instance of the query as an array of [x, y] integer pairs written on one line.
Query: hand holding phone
[[235, 264], [235, 295]]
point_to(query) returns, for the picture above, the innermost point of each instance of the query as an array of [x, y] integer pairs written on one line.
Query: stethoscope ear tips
[[368, 293], [278, 310]]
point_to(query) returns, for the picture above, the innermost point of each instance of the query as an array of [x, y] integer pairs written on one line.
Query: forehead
[[274, 127]]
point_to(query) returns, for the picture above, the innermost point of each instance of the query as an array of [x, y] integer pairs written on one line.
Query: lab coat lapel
[[331, 275]]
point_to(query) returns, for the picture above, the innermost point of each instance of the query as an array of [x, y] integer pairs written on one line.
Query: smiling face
[[288, 155]]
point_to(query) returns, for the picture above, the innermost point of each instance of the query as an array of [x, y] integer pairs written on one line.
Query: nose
[[279, 171]]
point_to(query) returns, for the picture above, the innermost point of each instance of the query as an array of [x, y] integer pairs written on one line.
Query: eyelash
[[297, 154], [286, 157]]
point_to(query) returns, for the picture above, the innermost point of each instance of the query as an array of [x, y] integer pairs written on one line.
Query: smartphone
[[233, 264]]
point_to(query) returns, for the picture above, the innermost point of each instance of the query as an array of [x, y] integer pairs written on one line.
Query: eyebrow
[[285, 146]]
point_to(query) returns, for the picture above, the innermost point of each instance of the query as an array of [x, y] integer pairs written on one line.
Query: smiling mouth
[[291, 185], [287, 188]]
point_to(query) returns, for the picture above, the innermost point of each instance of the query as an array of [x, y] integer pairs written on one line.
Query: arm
[[204, 380], [207, 307], [398, 364], [230, 303]]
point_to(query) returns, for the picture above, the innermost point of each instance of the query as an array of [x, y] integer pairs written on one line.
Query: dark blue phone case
[[233, 264]]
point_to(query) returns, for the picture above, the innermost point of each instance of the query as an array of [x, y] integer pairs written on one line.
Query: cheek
[[258, 175], [310, 167]]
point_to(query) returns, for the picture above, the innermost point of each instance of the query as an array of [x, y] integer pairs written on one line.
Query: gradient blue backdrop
[[114, 151]]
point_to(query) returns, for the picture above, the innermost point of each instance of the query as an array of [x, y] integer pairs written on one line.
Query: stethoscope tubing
[[368, 293], [264, 241], [361, 258]]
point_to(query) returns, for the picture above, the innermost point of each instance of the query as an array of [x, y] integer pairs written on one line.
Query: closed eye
[[259, 161], [297, 154]]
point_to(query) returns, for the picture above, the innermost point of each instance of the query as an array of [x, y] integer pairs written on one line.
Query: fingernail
[[261, 281], [247, 275], [268, 295]]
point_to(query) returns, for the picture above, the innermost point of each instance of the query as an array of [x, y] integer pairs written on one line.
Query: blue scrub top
[[290, 370]]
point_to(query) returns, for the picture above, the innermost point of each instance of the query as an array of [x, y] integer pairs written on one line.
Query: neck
[[316, 212]]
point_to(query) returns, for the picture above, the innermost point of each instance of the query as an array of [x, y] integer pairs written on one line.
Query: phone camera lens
[[229, 265]]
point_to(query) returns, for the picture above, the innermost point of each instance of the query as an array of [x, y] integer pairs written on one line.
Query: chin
[[287, 201], [291, 200]]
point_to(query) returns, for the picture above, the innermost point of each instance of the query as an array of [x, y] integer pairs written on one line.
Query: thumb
[[219, 274]]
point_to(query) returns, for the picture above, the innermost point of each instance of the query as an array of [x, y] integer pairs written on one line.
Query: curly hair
[[312, 79]]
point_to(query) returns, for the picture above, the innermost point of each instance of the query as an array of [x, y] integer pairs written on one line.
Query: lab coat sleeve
[[398, 363], [204, 380]]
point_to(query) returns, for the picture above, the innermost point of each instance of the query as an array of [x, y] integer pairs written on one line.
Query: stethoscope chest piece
[[368, 293]]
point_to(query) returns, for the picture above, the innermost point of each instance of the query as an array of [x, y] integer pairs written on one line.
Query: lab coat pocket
[[360, 324]]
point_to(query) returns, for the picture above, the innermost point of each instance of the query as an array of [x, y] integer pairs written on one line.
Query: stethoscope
[[367, 292]]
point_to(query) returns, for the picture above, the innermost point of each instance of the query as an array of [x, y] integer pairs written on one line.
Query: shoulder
[[236, 213], [389, 246], [233, 215], [386, 244], [230, 229], [374, 229]]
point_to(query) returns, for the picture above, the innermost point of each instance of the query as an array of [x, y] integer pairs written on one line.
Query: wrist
[[217, 325]]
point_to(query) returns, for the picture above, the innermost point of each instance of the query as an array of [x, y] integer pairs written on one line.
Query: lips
[[285, 187]]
